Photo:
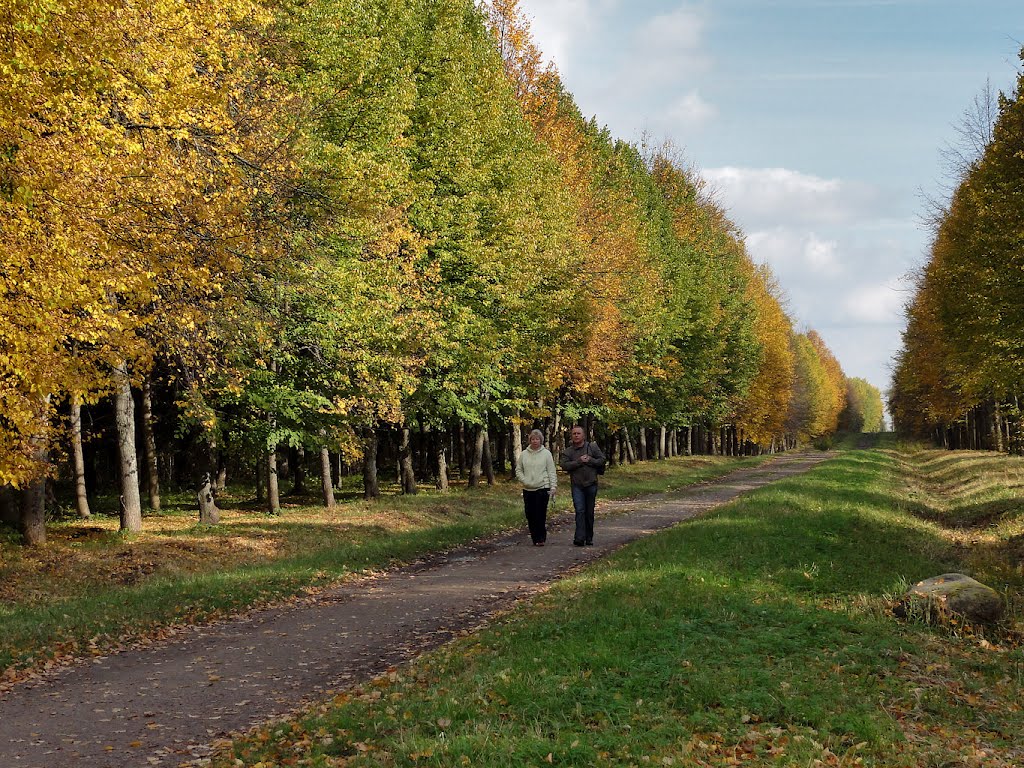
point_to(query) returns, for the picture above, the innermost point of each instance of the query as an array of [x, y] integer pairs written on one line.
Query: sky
[[820, 124]]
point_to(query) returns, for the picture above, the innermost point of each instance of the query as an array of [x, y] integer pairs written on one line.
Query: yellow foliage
[[133, 146]]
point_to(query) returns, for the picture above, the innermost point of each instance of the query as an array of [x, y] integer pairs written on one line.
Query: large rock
[[951, 594]]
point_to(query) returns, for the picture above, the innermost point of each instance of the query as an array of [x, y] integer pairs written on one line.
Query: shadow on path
[[166, 704]]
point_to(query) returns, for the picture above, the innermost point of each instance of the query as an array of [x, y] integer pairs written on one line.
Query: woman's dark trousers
[[536, 504]]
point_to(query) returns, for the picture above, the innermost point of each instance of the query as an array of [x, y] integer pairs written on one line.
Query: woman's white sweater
[[536, 469]]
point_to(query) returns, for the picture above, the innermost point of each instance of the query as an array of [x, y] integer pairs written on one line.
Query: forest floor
[[171, 702]]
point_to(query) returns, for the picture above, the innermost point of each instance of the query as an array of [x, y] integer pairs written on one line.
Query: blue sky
[[820, 123]]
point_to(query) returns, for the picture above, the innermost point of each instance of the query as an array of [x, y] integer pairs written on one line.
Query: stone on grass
[[951, 595]]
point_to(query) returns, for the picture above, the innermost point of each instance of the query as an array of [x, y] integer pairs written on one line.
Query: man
[[582, 460]]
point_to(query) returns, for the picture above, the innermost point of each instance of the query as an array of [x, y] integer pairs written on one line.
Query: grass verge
[[758, 635], [90, 589]]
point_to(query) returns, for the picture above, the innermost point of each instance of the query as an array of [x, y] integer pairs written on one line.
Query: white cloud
[[691, 111], [795, 254], [876, 304], [664, 55], [679, 30], [557, 26], [760, 198]]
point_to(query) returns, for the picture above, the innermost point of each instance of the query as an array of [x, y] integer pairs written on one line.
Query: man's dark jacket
[[581, 474]]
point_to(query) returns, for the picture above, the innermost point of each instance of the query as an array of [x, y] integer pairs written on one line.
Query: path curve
[[167, 704]]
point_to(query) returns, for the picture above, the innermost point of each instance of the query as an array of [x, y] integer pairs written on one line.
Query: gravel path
[[165, 705]]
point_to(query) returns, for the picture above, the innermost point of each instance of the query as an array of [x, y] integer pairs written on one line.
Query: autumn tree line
[[959, 377], [327, 236]]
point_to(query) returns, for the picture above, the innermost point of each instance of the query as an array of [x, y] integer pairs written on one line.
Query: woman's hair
[[538, 433]]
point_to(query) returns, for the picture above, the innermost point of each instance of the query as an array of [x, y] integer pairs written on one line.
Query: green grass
[[92, 589], [758, 635]]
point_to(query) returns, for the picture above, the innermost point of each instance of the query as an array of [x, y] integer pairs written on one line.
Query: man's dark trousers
[[584, 497]]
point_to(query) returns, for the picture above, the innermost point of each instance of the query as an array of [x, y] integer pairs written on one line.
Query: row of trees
[[959, 376], [234, 229]]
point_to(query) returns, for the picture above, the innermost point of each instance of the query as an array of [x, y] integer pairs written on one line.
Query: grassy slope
[[758, 635], [91, 589]]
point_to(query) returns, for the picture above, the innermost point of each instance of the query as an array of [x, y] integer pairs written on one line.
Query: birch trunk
[[442, 465], [81, 492], [326, 482], [209, 514], [273, 486], [476, 470], [124, 408], [517, 441]]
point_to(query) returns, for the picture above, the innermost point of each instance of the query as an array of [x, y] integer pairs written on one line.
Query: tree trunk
[[326, 483], [222, 471], [556, 443], [32, 507], [407, 475], [32, 523], [630, 451], [442, 464], [149, 441], [689, 440], [997, 418], [273, 484], [209, 514], [663, 442], [476, 470], [371, 488], [124, 407], [642, 444], [517, 440], [488, 463], [81, 492]]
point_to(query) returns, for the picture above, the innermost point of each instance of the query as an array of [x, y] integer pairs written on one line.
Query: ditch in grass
[[90, 589], [757, 635]]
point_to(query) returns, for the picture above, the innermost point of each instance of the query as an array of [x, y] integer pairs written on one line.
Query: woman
[[535, 469]]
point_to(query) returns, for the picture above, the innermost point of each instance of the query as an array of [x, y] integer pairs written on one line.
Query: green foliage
[[963, 345], [864, 410], [307, 220]]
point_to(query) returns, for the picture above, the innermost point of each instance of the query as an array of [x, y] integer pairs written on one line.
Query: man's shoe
[[577, 543], [589, 543]]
